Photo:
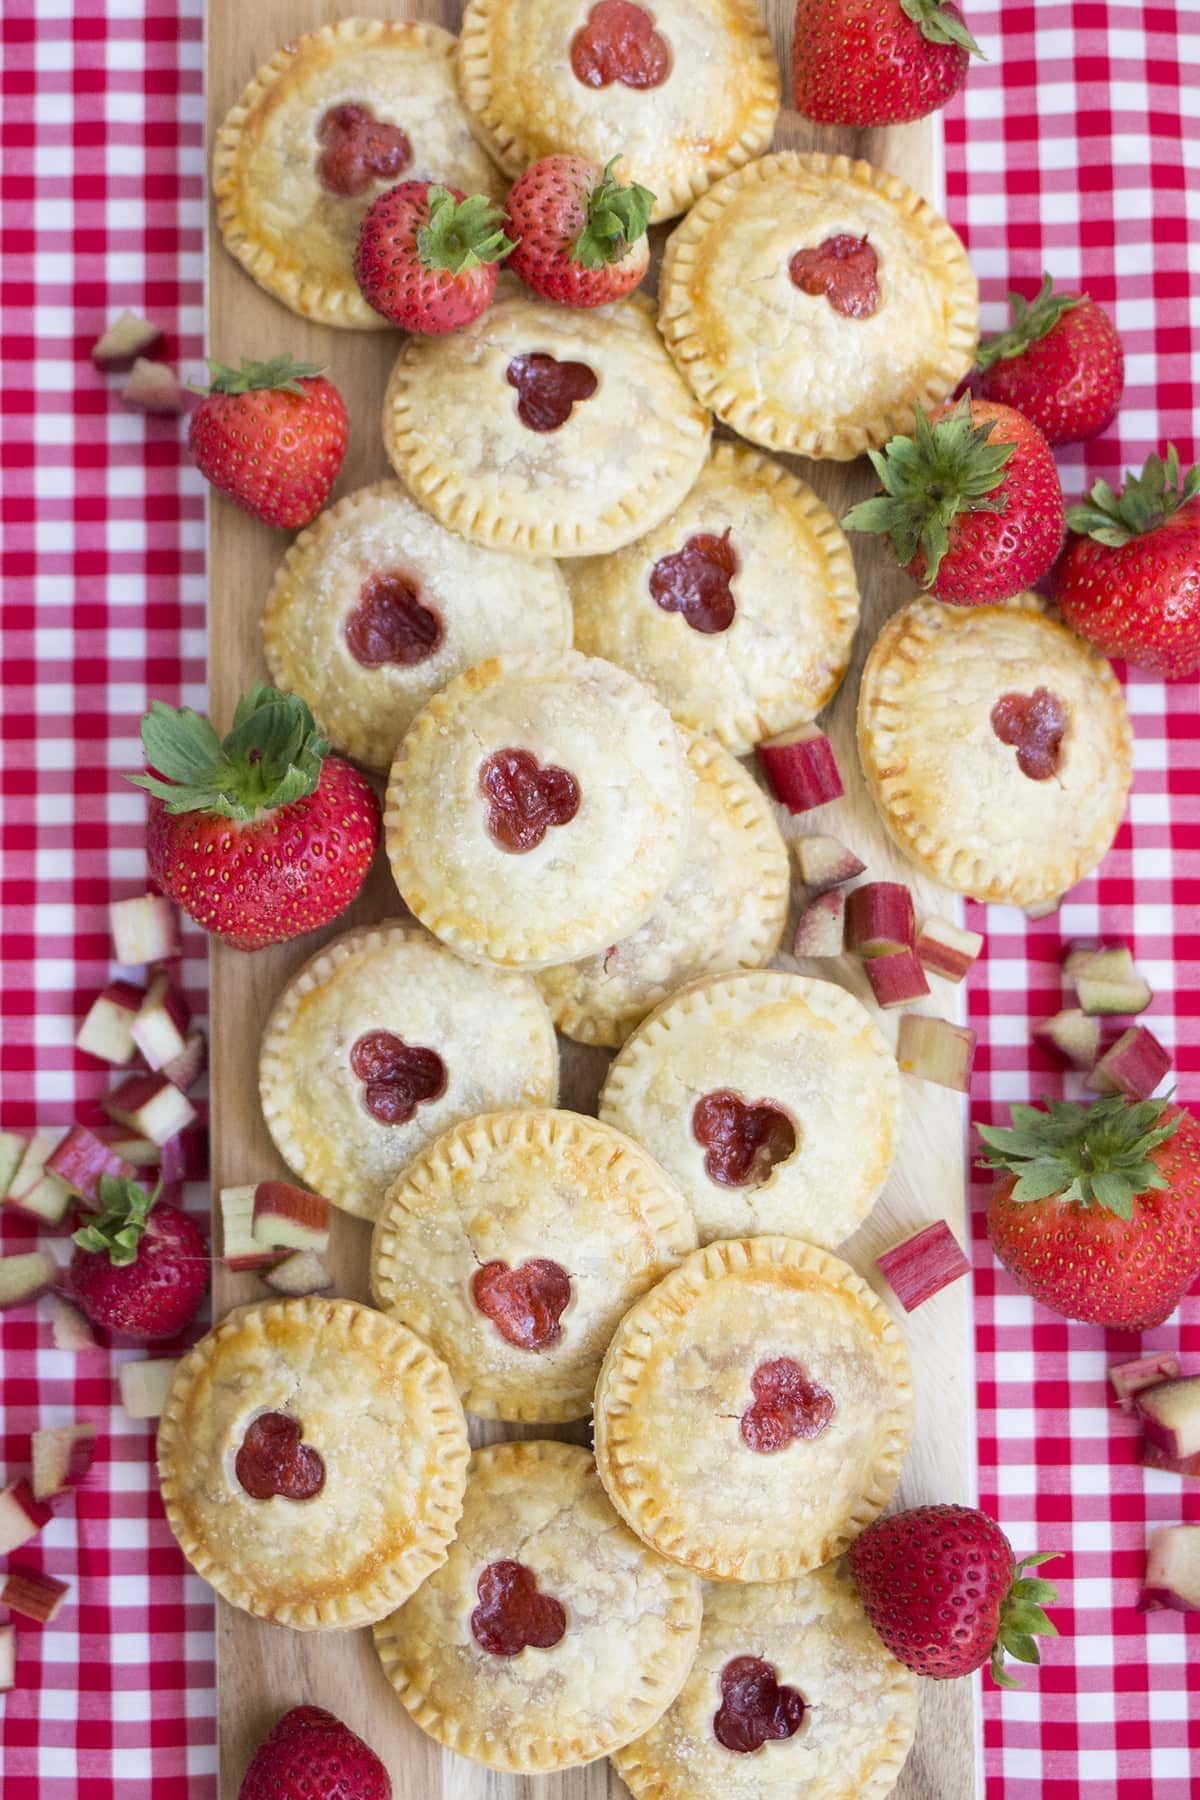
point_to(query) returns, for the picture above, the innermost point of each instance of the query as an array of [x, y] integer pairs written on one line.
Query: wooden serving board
[[262, 1669]]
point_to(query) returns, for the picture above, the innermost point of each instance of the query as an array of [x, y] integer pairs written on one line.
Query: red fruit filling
[[396, 1077], [548, 388], [742, 1143], [525, 798], [358, 149], [1036, 725], [695, 582], [512, 1614], [525, 1304], [273, 1460], [618, 42], [391, 624], [754, 1708], [786, 1405], [844, 269]]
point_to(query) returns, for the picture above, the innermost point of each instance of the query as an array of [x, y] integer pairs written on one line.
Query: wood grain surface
[[262, 1670]]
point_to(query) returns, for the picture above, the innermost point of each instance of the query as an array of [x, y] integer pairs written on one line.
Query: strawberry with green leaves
[[878, 62], [140, 1267], [971, 503], [310, 1755], [581, 233], [271, 436], [427, 256], [1060, 363], [262, 835], [1095, 1210], [1129, 578]]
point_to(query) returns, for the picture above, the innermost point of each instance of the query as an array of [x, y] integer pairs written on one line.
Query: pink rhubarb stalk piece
[[151, 1105], [819, 929], [1071, 1035], [879, 919], [34, 1190], [1107, 982], [801, 769], [240, 1249], [68, 1327], [161, 1027], [145, 1385], [301, 1273], [896, 979], [289, 1218], [22, 1516], [1133, 1065], [824, 862], [8, 1658], [1130, 1378], [154, 387], [26, 1277], [923, 1265], [1172, 1570], [128, 337], [62, 1456], [946, 949], [185, 1070], [935, 1050], [1169, 1415], [144, 930], [33, 1595], [81, 1158], [12, 1150], [107, 1031]]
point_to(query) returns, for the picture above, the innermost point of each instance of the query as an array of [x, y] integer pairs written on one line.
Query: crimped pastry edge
[[391, 1586]]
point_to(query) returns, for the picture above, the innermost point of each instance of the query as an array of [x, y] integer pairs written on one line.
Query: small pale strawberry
[[581, 233], [1060, 363], [878, 62], [427, 256], [271, 436]]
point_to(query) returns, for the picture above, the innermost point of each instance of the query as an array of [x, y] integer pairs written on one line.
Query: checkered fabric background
[[1068, 153]]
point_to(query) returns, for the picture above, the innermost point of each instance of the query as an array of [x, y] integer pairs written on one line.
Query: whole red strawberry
[[310, 1755], [262, 836], [427, 256], [878, 62], [1129, 577], [971, 503], [271, 436], [581, 234], [1060, 363], [1095, 1210], [942, 1588], [139, 1267]]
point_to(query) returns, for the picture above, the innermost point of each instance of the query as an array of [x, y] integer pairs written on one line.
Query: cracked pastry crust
[[623, 459], [514, 1187], [861, 1704], [795, 605], [808, 1049], [382, 1412], [490, 1029], [724, 910], [716, 108], [286, 229], [951, 794], [590, 881], [676, 1383], [781, 366], [484, 602], [632, 1621]]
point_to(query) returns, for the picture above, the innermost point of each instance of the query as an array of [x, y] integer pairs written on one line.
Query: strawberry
[[942, 1588], [139, 1267], [581, 234], [271, 436], [427, 256], [1129, 577], [878, 62], [1095, 1210], [310, 1755], [1060, 363], [971, 505], [262, 836]]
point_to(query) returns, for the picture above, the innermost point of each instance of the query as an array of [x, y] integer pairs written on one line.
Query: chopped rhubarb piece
[[184, 1158], [801, 769], [154, 387], [289, 1218], [107, 1032], [33, 1595], [824, 863], [1172, 1570], [880, 920], [81, 1158], [8, 1658], [22, 1516], [820, 929], [68, 1327], [184, 1071], [1169, 1415], [42, 1196], [151, 1105], [129, 1145], [144, 930], [1079, 951], [127, 338], [1133, 1065], [1070, 1033], [160, 1029], [145, 1386], [935, 1050], [946, 949], [896, 979], [1130, 1378], [301, 1273], [1044, 909], [1107, 982], [12, 1149], [241, 1249], [1152, 1457], [922, 1265], [62, 1456], [24, 1279]]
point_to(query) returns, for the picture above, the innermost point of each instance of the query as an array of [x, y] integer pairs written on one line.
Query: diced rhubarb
[[12, 1149], [241, 1249], [33, 1595], [896, 979], [62, 1455], [34, 1192], [1070, 1033], [81, 1158], [1107, 982], [107, 1030], [24, 1279], [151, 1105], [935, 1050], [1151, 1456], [160, 1029], [824, 863], [184, 1158], [301, 1273], [880, 920], [289, 1218], [154, 387], [821, 926], [144, 930], [1172, 1570], [1130, 1378], [129, 1145], [801, 769], [145, 1386], [1044, 909], [947, 949], [22, 1516], [1169, 1415], [127, 338], [1133, 1065], [922, 1265], [185, 1070], [8, 1659], [68, 1327]]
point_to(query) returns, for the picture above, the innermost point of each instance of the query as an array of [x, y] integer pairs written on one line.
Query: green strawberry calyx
[[460, 235], [947, 467], [271, 757], [1031, 320], [939, 25], [1090, 1156], [117, 1228], [1146, 502], [617, 216], [281, 375], [1022, 1619]]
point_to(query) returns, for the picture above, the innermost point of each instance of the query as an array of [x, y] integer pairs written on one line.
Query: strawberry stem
[[1145, 503], [118, 1227], [1022, 1620], [281, 375], [271, 757], [1099, 1155], [617, 216], [939, 25], [1031, 320], [461, 234]]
